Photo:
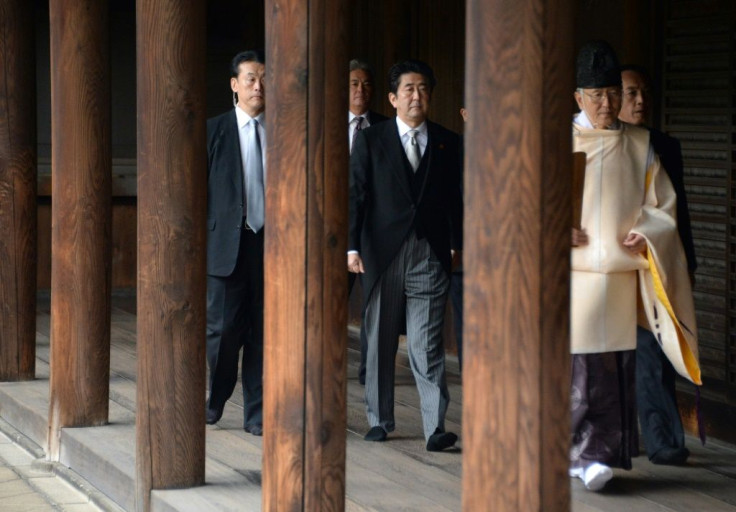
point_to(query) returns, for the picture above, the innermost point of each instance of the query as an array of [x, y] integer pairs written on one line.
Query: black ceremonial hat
[[597, 66]]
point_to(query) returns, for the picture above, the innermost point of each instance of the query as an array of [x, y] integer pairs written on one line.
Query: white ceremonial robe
[[627, 191]]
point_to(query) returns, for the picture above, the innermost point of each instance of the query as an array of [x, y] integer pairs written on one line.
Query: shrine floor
[[396, 475]]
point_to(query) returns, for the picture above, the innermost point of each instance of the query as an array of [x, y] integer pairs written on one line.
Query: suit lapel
[[434, 151], [230, 131]]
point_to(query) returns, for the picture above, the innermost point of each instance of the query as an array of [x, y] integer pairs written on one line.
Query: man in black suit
[[656, 398], [405, 217], [235, 218], [361, 93], [360, 117]]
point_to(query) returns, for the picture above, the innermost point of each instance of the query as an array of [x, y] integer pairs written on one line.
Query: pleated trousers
[[414, 283]]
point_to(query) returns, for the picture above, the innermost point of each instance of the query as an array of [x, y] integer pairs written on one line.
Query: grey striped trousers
[[414, 286]]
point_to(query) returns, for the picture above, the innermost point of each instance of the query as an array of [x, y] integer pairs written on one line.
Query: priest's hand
[[579, 237], [635, 243], [355, 263]]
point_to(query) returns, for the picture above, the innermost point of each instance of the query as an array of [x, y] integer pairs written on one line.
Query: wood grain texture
[[81, 218], [306, 240], [18, 248], [172, 188], [516, 378]]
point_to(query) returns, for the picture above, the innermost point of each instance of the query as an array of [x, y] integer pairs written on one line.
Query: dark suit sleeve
[[359, 170], [670, 154], [212, 130]]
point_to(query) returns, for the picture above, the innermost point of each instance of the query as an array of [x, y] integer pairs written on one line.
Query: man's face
[[411, 100], [361, 91], [600, 105], [249, 87], [635, 107]]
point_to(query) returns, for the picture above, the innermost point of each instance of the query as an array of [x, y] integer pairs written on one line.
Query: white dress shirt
[[421, 135], [245, 132], [353, 122]]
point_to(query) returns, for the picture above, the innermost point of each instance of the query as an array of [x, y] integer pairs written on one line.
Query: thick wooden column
[[17, 191], [172, 194], [305, 260], [81, 216], [516, 423]]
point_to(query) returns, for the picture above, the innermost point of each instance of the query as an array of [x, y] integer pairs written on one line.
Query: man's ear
[[579, 99], [392, 99], [234, 84]]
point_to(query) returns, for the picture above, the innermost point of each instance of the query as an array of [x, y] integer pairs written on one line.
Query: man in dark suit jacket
[[656, 398], [235, 217], [405, 220], [361, 93], [360, 117]]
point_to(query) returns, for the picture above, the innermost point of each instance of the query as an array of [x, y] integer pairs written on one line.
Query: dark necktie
[[358, 127]]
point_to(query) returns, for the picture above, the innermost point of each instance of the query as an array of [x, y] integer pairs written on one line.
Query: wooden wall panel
[[18, 247], [430, 30], [698, 107]]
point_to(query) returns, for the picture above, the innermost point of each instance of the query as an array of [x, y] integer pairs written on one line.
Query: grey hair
[[361, 64]]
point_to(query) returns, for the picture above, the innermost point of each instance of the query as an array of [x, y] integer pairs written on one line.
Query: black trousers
[[235, 321], [656, 399]]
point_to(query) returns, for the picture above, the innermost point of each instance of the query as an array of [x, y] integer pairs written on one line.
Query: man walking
[[235, 219], [656, 399], [405, 217]]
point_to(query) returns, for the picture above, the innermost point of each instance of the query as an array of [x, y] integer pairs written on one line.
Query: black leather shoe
[[256, 429], [375, 434], [214, 415], [440, 441], [671, 456]]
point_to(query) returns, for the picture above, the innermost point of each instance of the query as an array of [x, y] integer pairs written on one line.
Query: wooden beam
[[18, 225], [172, 196], [81, 216], [517, 240], [305, 256]]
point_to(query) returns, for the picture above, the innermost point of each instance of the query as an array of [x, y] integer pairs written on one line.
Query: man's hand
[[635, 243], [355, 263], [457, 258], [579, 237]]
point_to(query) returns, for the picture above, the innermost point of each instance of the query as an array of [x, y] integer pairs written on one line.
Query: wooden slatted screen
[[698, 85]]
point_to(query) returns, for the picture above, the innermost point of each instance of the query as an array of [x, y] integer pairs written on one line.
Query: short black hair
[[246, 56], [638, 69], [410, 66]]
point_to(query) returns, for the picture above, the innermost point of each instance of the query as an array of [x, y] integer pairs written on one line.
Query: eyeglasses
[[599, 95]]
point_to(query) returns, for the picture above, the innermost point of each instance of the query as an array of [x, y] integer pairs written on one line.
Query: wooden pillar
[[172, 195], [17, 191], [81, 216], [305, 256], [516, 423]]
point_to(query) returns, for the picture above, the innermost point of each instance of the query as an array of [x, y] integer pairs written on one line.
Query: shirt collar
[[405, 128], [582, 119], [351, 116], [243, 118]]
